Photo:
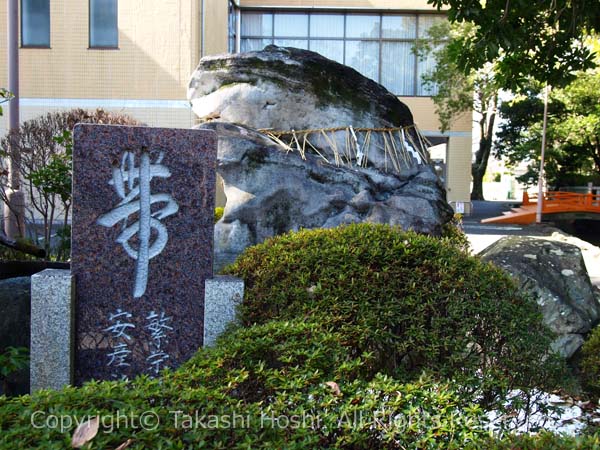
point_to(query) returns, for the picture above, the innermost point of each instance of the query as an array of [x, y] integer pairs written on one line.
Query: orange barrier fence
[[555, 201]]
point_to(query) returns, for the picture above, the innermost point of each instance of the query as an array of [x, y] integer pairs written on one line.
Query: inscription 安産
[[119, 329], [132, 184]]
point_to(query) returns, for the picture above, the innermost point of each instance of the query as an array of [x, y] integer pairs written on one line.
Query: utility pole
[[538, 215], [14, 217]]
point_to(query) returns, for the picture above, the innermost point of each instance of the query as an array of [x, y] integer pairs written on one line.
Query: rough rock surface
[[555, 274], [15, 317], [591, 253], [270, 192], [291, 89]]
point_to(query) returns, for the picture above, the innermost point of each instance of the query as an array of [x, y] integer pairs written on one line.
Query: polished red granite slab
[[142, 246]]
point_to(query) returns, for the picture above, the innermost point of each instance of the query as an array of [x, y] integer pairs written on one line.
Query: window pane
[[257, 24], [329, 49], [291, 25], [399, 27], [103, 23], [327, 25], [296, 43], [35, 22], [362, 26], [398, 67], [423, 67], [364, 57], [250, 45], [426, 22]]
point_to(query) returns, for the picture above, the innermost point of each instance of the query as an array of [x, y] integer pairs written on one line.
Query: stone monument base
[[52, 329], [53, 324], [222, 296]]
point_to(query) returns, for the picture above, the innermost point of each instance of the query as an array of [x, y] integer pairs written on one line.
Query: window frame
[[102, 47], [379, 39], [21, 20]]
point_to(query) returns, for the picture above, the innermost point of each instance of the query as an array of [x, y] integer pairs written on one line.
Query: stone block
[[52, 325], [142, 246], [222, 296]]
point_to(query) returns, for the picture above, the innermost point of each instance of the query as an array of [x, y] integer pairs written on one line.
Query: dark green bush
[[542, 441], [453, 232], [415, 303], [12, 360], [274, 378], [366, 337], [590, 363]]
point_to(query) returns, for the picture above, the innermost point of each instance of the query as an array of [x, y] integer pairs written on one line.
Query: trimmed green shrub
[[415, 303], [360, 337], [590, 363], [288, 385], [453, 232], [542, 441]]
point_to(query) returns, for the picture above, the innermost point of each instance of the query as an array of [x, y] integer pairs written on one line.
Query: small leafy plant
[[12, 360], [590, 363]]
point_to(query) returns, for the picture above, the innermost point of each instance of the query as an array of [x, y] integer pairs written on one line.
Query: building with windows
[[136, 57]]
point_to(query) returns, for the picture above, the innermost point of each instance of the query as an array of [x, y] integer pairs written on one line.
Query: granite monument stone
[[142, 246]]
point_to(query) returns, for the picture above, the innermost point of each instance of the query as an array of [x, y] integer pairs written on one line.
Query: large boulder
[[292, 89], [270, 191], [554, 273]]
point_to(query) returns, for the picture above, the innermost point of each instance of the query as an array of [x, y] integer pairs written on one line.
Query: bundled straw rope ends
[[351, 147]]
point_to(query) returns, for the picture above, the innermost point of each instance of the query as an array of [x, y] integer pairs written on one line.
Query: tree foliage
[[573, 135], [4, 97], [45, 148], [461, 93], [541, 39]]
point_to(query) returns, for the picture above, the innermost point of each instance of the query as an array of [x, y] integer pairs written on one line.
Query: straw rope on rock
[[280, 89], [397, 144], [271, 190]]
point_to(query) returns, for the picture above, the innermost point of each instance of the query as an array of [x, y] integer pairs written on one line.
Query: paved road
[[483, 235]]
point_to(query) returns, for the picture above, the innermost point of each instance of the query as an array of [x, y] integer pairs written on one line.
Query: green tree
[[459, 92], [540, 39], [4, 97], [573, 135]]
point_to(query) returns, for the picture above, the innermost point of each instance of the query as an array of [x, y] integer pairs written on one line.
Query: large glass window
[[232, 28], [104, 31], [380, 46], [35, 23]]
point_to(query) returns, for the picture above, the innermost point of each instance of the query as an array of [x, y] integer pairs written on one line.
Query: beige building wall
[[458, 172], [146, 76], [459, 149], [215, 26], [153, 60], [423, 110]]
